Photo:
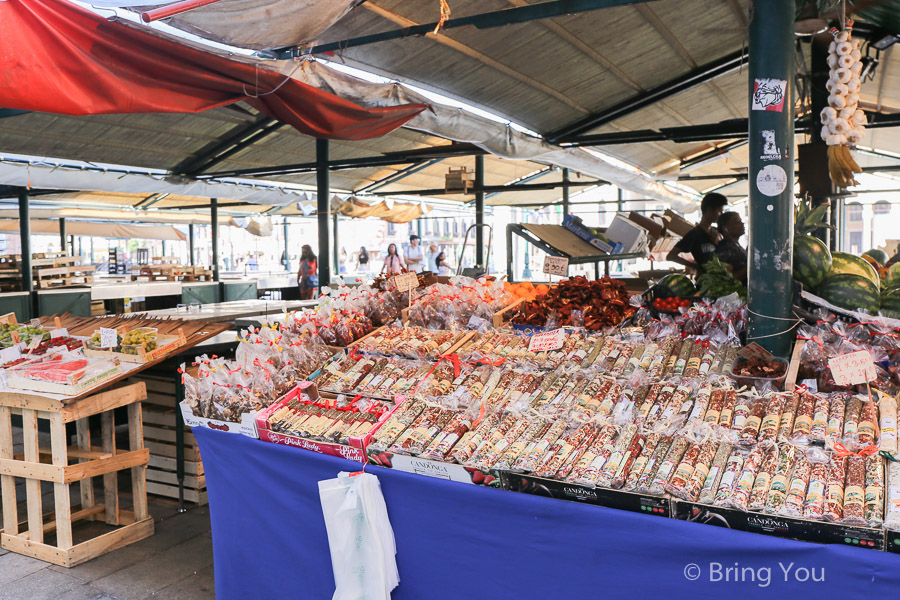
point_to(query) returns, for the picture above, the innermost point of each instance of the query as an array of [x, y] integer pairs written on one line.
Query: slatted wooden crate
[[51, 537], [159, 438]]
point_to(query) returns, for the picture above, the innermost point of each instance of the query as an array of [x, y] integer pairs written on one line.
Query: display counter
[[229, 311], [18, 303], [463, 541], [74, 300]]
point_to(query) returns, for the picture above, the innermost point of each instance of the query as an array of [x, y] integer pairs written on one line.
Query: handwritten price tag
[[755, 351], [35, 342], [853, 369], [545, 342], [58, 333], [556, 265], [108, 338], [406, 282]]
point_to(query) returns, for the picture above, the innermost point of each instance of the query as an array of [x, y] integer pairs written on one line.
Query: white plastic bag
[[360, 537]]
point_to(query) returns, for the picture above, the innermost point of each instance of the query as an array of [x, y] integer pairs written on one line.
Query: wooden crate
[[64, 465], [159, 437]]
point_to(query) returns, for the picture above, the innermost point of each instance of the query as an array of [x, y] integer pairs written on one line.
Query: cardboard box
[[434, 468], [632, 236], [550, 488], [355, 449], [778, 526], [576, 226], [246, 426], [677, 224], [655, 228]]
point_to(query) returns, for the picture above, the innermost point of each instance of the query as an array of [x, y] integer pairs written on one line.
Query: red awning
[[59, 58]]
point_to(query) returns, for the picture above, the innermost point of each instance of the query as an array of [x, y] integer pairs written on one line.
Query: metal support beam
[[479, 213], [698, 76], [770, 296], [312, 167], [565, 192], [287, 251], [191, 243], [25, 235], [232, 142], [323, 201], [214, 223], [488, 20], [490, 189], [395, 177], [335, 245], [62, 235]]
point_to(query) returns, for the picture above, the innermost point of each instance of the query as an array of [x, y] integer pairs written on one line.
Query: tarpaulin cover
[[388, 209], [257, 24], [458, 541], [59, 58]]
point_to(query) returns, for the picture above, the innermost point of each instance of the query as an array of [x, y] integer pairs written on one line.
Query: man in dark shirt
[[700, 242], [729, 251]]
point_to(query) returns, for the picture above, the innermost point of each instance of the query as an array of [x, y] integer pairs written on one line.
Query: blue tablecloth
[[457, 541]]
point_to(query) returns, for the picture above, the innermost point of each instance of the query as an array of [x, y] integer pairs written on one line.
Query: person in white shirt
[[442, 267], [432, 254], [415, 258]]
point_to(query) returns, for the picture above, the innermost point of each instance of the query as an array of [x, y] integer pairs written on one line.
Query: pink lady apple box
[[356, 450]]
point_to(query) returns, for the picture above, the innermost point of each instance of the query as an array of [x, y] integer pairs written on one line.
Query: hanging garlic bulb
[[842, 121]]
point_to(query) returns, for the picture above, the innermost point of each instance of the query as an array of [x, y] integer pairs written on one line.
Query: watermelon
[[879, 255], [851, 292], [812, 260], [890, 303], [678, 284], [843, 263]]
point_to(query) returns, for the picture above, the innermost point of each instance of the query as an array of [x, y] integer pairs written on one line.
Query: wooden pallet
[[159, 437], [63, 465]]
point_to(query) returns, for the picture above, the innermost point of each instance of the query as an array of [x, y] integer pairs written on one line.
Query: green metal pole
[[191, 243], [25, 234], [565, 192], [771, 175], [287, 252], [62, 235], [214, 223], [323, 201], [479, 212]]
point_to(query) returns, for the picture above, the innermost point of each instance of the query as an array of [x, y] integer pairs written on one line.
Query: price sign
[[545, 342], [35, 322], [58, 333], [406, 282], [556, 265], [754, 351], [9, 354], [108, 338], [35, 342], [853, 369]]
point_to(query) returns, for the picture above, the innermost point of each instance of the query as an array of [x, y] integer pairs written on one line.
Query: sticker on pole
[[769, 94], [109, 338], [771, 180], [853, 369], [770, 149], [406, 282], [546, 342], [556, 265]]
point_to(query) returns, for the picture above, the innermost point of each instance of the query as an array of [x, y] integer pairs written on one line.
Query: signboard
[[853, 369], [108, 338], [58, 333], [556, 265], [406, 282], [545, 342]]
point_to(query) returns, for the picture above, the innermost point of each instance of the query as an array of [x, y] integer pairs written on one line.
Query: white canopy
[[105, 230]]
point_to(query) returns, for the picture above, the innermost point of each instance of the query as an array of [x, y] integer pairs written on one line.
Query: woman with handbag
[[308, 275]]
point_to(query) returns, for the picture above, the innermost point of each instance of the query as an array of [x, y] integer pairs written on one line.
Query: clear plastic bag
[[360, 537]]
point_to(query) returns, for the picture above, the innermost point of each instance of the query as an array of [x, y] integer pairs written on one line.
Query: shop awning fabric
[[59, 58], [105, 230]]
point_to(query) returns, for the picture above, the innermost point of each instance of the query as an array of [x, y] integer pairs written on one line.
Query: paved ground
[[175, 563]]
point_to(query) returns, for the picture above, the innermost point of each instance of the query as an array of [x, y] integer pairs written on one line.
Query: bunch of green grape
[[139, 337], [28, 332]]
